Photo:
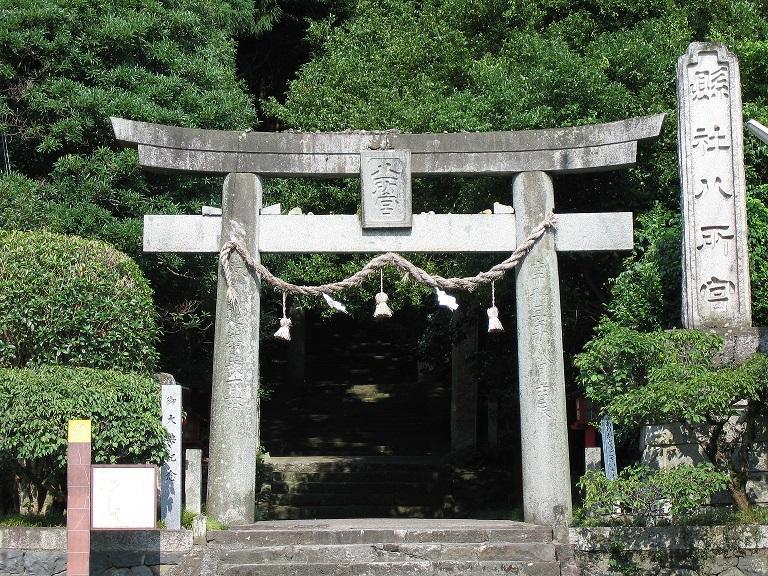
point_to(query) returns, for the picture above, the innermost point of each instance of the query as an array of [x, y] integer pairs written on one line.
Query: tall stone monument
[[716, 284], [385, 163], [716, 287]]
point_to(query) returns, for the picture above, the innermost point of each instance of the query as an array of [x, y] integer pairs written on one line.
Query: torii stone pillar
[[543, 421], [234, 437]]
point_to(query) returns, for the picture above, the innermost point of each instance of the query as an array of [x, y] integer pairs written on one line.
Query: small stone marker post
[[716, 288], [593, 458], [193, 479], [170, 473], [78, 497], [609, 448]]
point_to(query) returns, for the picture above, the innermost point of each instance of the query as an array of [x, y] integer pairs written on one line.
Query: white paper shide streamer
[[335, 304], [494, 324], [445, 299], [382, 310]]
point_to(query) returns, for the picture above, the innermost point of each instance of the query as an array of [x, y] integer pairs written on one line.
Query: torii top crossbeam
[[588, 148]]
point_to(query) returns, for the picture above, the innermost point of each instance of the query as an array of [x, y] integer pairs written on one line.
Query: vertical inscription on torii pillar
[[716, 289], [385, 178]]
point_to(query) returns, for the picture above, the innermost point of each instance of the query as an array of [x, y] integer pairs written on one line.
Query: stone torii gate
[[529, 156]]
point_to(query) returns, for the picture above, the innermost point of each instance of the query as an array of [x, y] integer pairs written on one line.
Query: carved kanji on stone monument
[[716, 292]]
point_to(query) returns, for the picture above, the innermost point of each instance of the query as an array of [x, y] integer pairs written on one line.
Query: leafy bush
[[646, 497], [67, 300], [669, 376], [36, 404]]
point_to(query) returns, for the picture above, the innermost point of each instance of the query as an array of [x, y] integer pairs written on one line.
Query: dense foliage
[[36, 404], [673, 376], [67, 300], [418, 66], [666, 376], [641, 496], [65, 68], [445, 65]]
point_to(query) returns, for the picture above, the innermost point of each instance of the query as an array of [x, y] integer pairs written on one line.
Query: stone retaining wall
[[42, 551], [667, 551], [670, 445]]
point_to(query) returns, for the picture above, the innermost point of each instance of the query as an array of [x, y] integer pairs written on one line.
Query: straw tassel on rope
[[494, 324], [382, 309], [284, 332]]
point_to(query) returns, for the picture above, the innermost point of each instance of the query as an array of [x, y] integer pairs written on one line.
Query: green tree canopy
[[445, 65], [65, 68]]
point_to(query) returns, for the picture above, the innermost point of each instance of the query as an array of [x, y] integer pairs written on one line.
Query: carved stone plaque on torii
[[385, 162]]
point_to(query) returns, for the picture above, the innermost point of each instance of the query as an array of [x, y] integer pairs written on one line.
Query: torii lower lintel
[[430, 233]]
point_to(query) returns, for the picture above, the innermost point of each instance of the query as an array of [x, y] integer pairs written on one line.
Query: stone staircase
[[379, 547], [357, 419], [352, 487], [360, 438]]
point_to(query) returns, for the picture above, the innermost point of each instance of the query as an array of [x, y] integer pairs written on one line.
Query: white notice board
[[123, 497]]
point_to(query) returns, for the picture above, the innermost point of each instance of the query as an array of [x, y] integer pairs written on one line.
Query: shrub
[[671, 376], [67, 300], [646, 497], [36, 404]]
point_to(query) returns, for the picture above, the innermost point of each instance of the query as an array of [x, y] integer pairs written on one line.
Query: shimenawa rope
[[377, 264]]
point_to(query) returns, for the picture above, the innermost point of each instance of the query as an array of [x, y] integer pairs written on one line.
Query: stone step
[[411, 568], [298, 478], [357, 498], [343, 428], [352, 485], [314, 464], [359, 553], [381, 531], [351, 511], [325, 446]]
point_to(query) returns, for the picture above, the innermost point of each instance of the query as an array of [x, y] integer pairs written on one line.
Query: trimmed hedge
[[68, 300], [36, 404]]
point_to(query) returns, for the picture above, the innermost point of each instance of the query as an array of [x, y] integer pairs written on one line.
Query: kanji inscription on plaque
[[385, 177]]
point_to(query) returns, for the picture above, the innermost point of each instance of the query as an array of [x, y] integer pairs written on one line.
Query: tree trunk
[[737, 486], [737, 480]]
